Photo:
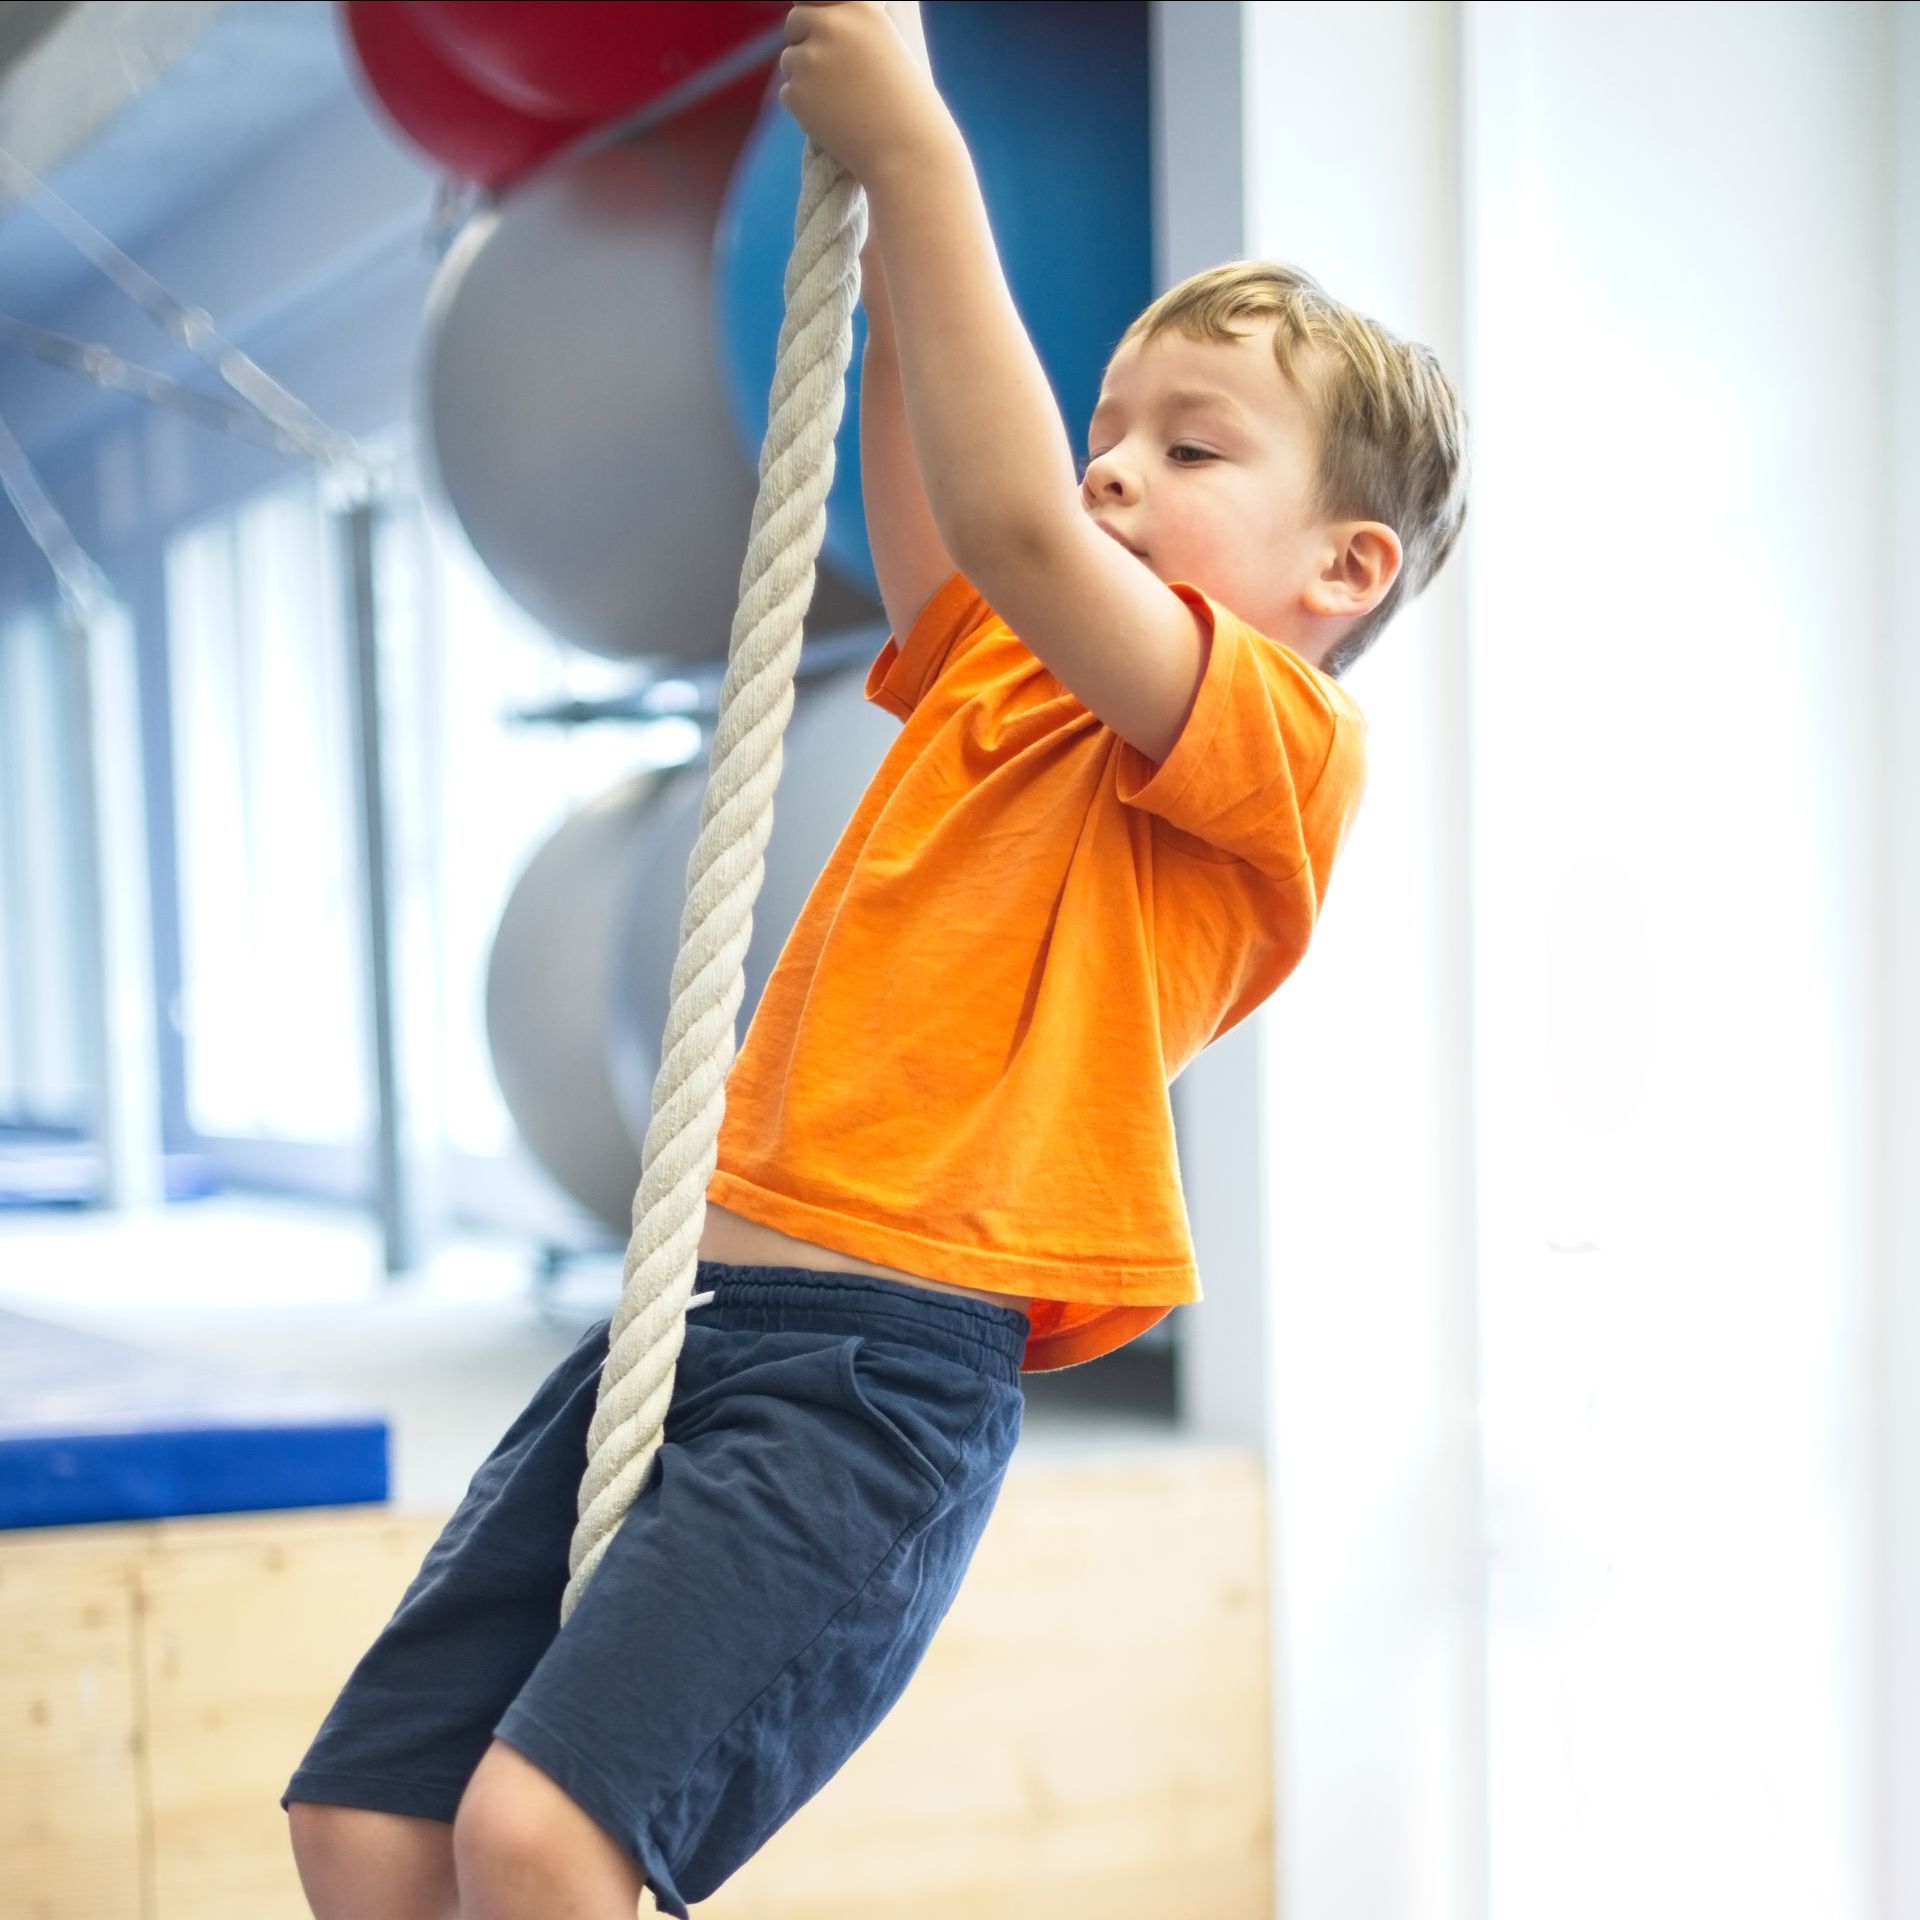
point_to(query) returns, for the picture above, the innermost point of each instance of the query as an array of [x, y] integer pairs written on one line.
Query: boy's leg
[[356, 1864], [525, 1850], [417, 1712]]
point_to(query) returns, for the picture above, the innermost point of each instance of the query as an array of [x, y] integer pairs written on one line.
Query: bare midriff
[[746, 1243]]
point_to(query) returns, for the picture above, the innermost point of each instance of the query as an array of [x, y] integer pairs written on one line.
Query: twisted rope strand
[[724, 873]]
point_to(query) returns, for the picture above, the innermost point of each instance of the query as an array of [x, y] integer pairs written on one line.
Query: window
[[44, 1072], [273, 974], [487, 792], [272, 919]]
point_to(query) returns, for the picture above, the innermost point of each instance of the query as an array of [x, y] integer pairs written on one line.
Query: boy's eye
[[1086, 459]]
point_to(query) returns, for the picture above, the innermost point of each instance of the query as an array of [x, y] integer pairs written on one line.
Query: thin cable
[[82, 584], [105, 368], [193, 328]]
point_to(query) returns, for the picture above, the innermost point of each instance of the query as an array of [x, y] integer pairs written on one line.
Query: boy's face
[[1201, 459]]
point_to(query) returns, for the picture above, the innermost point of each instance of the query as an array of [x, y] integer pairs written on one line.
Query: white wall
[[1680, 664], [1892, 1398], [1586, 1129]]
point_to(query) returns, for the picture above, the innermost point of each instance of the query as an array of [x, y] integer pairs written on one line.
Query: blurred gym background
[[1552, 1408]]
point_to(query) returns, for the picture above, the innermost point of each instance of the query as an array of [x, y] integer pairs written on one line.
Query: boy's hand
[[856, 87]]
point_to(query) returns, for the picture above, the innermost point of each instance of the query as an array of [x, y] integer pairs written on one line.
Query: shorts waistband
[[771, 1299]]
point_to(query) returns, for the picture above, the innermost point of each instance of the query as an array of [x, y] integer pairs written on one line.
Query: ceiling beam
[[84, 68]]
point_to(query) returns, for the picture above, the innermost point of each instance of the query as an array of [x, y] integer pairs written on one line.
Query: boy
[[1101, 840]]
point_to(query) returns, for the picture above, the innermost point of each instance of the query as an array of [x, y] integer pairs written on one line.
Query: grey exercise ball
[[549, 990], [573, 418], [833, 746]]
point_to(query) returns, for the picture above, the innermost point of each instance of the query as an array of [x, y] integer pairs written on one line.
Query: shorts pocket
[[923, 1404]]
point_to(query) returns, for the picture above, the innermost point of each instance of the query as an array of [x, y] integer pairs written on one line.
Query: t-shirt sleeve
[[904, 670], [1271, 763]]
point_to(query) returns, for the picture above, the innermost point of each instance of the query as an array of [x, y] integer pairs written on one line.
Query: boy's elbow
[[1004, 532]]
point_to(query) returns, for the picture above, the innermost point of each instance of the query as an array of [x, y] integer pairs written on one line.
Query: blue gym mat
[[95, 1429]]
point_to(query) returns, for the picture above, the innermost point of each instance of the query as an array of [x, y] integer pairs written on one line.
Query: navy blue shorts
[[833, 1448]]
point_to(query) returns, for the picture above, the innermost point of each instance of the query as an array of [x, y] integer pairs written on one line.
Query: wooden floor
[[1086, 1740]]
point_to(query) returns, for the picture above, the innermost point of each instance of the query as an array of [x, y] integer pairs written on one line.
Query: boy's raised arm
[[909, 556], [993, 448], [905, 15]]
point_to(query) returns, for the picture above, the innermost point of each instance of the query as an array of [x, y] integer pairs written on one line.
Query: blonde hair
[[1392, 431]]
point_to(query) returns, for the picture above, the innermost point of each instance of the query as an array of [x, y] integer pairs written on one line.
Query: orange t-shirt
[[959, 1066]]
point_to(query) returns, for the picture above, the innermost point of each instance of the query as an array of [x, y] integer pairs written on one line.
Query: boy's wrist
[[914, 183], [909, 170], [937, 148]]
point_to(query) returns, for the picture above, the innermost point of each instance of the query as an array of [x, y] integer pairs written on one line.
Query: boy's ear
[[1360, 564]]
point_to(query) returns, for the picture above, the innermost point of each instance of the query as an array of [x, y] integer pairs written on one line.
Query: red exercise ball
[[439, 108], [590, 59]]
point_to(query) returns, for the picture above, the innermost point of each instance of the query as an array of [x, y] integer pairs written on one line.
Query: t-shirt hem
[[1058, 1337], [1155, 1284], [1090, 1339]]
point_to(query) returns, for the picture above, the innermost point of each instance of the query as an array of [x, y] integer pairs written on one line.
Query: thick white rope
[[725, 870]]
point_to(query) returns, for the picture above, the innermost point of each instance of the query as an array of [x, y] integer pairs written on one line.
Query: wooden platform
[[1087, 1740]]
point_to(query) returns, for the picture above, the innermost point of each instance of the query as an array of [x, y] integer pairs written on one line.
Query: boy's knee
[[511, 1809], [516, 1824]]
